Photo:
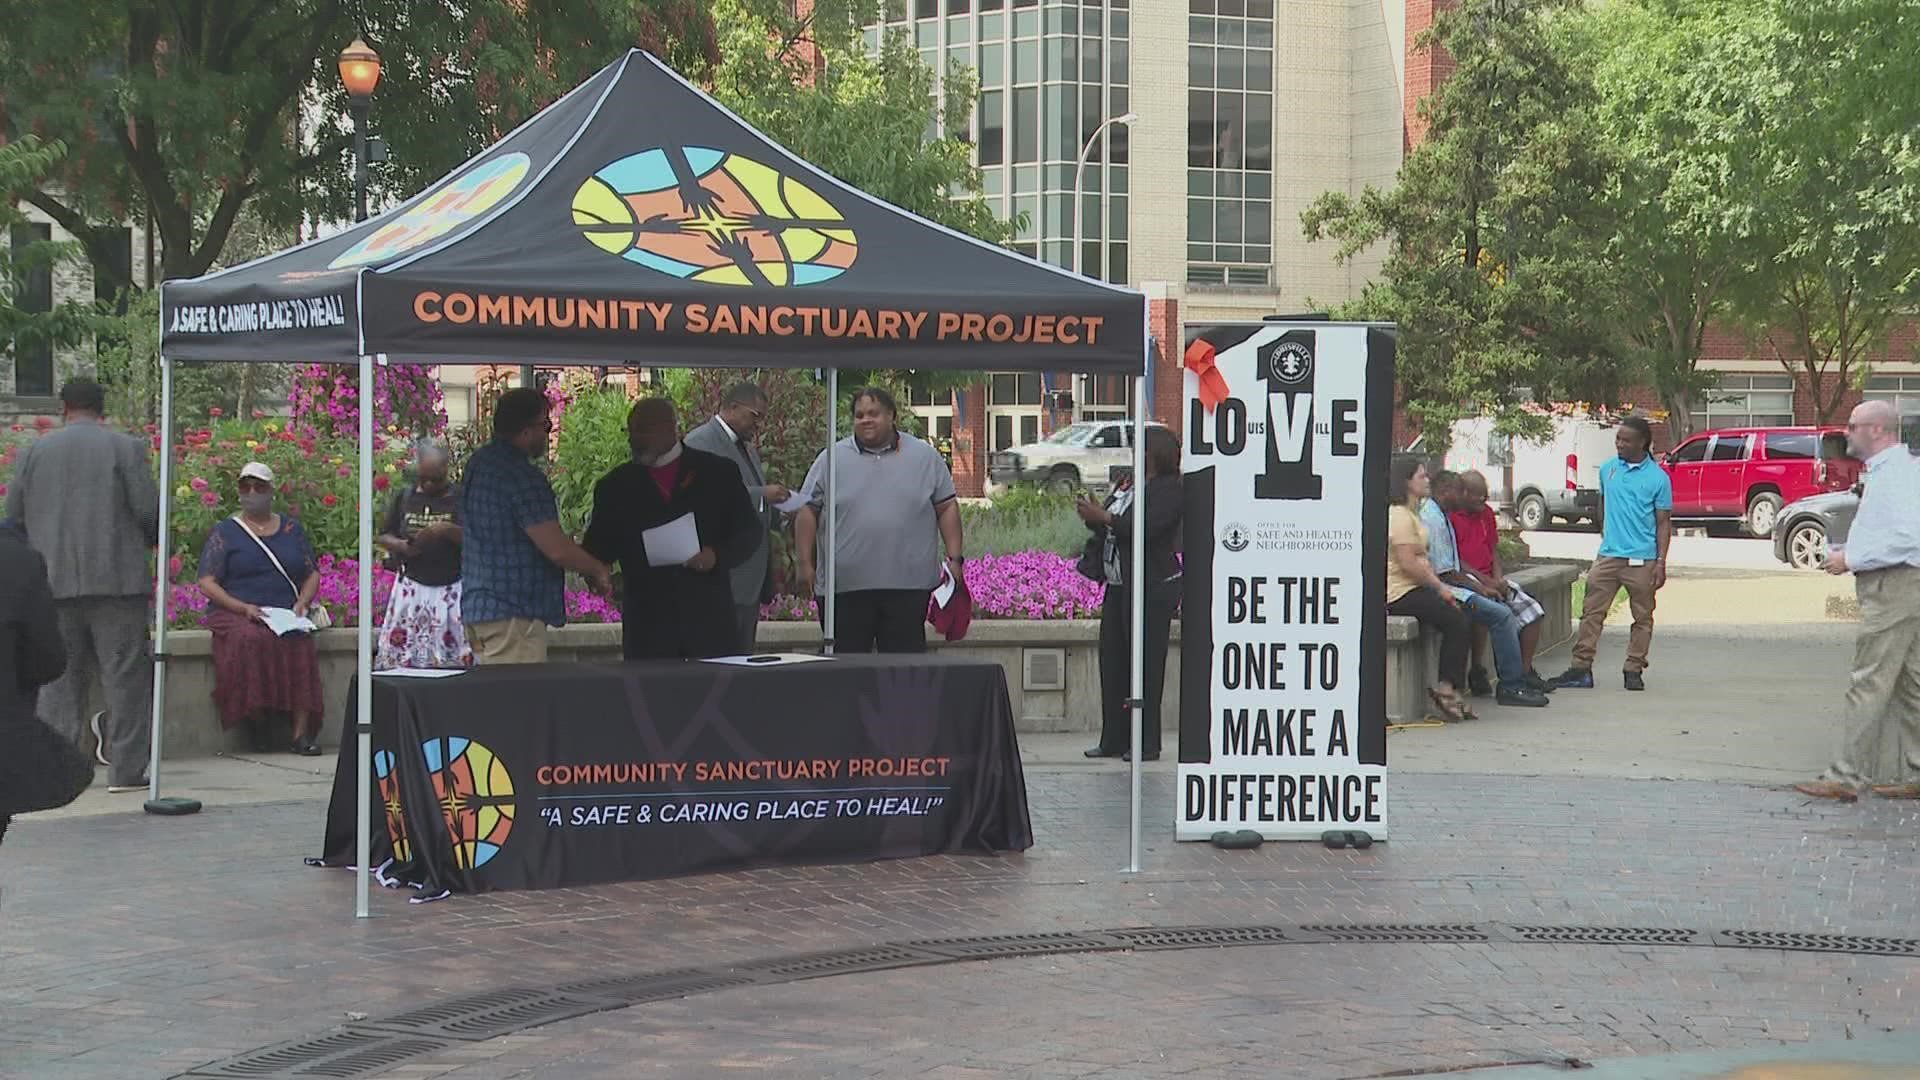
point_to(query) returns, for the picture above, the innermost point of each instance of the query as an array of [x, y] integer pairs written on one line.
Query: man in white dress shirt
[[1882, 552]]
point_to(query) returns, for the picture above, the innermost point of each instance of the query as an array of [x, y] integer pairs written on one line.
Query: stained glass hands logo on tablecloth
[[475, 794], [711, 216]]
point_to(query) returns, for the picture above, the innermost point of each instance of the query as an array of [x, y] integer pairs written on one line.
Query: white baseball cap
[[257, 471]]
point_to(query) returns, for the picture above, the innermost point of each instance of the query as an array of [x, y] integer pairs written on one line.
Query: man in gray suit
[[86, 498], [730, 434]]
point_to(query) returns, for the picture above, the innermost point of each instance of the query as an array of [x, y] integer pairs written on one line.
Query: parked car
[[1806, 526], [1745, 476], [1534, 481], [1078, 456]]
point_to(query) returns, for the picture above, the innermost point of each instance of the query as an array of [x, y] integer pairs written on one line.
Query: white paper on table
[[793, 504], [673, 543], [943, 592], [765, 659], [423, 673], [284, 622]]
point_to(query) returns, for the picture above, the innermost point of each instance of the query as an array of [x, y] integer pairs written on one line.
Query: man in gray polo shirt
[[897, 518]]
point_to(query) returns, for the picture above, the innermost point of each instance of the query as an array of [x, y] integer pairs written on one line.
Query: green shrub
[[1023, 519], [592, 441]]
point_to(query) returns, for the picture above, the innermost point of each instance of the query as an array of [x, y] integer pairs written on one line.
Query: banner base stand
[[172, 806], [1346, 838], [1236, 840]]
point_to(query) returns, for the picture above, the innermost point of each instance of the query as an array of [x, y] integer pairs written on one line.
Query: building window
[[934, 410], [1229, 140], [1105, 397], [1903, 392], [1747, 401], [1013, 409], [33, 356]]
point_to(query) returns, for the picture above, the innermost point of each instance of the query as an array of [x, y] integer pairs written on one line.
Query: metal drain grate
[[1151, 938], [655, 986], [1007, 945], [839, 962], [1829, 943], [1606, 935], [1414, 932], [500, 1012], [301, 1056], [373, 1058]]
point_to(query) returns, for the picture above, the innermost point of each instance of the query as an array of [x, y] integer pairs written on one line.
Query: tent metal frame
[[363, 696]]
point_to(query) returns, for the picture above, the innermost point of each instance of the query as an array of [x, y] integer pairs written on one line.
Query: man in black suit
[[683, 611], [31, 656]]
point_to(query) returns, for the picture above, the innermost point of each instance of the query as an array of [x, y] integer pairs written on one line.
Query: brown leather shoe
[[1897, 791], [1829, 789]]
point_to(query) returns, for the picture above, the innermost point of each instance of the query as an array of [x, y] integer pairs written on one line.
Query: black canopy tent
[[636, 221]]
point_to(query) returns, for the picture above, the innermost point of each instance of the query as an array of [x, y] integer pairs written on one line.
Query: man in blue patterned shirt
[[514, 560]]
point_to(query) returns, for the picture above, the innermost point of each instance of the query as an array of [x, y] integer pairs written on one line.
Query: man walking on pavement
[[85, 496], [730, 434], [1882, 747], [1636, 527]]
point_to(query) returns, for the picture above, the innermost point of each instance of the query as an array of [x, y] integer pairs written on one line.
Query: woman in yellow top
[[1414, 589]]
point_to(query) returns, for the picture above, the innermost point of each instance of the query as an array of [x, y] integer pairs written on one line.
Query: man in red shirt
[[1477, 532]]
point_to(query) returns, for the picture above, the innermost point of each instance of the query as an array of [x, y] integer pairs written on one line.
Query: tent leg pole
[[162, 579], [363, 661], [833, 498], [1138, 594]]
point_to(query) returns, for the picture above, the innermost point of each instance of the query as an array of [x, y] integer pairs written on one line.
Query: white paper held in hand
[[283, 622], [673, 543], [793, 504], [943, 592]]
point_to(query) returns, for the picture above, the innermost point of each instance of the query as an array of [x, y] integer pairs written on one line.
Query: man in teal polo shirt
[[1636, 514]]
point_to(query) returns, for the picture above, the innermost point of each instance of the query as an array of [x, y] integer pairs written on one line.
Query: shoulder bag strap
[[271, 557]]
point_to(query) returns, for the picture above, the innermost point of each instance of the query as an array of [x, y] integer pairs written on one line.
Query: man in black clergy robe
[[686, 610]]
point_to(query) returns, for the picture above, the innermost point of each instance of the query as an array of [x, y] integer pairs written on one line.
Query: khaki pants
[[1883, 700], [1604, 581], [508, 641]]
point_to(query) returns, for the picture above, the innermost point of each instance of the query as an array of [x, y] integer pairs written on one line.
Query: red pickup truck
[[1747, 474]]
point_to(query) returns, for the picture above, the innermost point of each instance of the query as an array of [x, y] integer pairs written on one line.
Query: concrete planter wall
[[1053, 670]]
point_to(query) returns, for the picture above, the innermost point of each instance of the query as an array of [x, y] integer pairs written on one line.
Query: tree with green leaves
[[62, 324], [1497, 270], [1837, 187], [1675, 91], [192, 114]]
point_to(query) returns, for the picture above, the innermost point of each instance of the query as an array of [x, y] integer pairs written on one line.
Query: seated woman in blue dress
[[254, 560]]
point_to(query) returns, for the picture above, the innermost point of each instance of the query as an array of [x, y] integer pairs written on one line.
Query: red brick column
[[1426, 68], [970, 441], [1169, 385]]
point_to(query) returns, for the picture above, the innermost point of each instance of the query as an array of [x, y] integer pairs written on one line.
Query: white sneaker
[[94, 724]]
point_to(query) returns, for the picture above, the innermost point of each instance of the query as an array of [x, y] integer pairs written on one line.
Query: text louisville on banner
[[1283, 623]]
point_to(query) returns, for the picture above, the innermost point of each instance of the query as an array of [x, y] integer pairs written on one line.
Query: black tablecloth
[[549, 775]]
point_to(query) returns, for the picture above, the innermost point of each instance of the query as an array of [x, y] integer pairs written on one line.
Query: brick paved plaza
[[150, 947], [143, 947]]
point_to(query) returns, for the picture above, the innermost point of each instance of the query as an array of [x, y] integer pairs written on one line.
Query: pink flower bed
[[1028, 585]]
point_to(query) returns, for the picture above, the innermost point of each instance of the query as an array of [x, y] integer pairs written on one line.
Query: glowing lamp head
[[360, 69]]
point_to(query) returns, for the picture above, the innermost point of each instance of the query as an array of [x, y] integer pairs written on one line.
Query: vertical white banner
[[1283, 626]]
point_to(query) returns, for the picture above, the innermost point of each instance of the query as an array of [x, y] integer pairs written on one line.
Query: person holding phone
[[1109, 554]]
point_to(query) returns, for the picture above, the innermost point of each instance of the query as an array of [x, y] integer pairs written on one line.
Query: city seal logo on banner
[[715, 217], [1235, 537]]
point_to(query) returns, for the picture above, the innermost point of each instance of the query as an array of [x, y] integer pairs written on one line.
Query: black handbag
[[1093, 563], [39, 768]]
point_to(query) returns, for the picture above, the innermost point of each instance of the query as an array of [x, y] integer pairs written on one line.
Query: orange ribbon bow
[[1213, 385]]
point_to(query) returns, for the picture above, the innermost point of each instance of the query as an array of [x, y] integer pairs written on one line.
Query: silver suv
[[1077, 456]]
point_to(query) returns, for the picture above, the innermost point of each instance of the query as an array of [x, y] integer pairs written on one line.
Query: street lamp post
[[360, 73], [1080, 169]]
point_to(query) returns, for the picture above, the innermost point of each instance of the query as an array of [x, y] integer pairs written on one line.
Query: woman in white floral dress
[[422, 538]]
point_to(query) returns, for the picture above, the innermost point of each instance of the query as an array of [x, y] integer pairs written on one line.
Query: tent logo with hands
[[707, 215], [458, 202]]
